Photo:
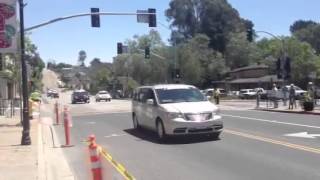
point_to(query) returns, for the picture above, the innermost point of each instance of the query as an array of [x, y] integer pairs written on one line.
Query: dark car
[[80, 96]]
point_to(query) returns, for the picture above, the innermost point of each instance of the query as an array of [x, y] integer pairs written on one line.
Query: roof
[[169, 86], [256, 66], [262, 79]]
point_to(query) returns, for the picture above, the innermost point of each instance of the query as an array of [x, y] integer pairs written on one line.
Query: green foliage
[[214, 18], [240, 52], [307, 31], [199, 64]]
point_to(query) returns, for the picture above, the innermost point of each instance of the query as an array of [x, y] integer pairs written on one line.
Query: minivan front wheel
[[161, 131]]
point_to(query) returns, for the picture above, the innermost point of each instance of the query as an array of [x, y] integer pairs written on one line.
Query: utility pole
[[26, 140]]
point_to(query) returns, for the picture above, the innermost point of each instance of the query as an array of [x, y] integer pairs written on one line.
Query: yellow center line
[[282, 143]]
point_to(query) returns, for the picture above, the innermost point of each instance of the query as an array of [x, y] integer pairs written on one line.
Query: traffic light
[[119, 48], [287, 68], [147, 52], [152, 18], [95, 19], [249, 34], [279, 69]]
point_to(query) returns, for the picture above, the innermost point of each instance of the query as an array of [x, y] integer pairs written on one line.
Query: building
[[249, 77]]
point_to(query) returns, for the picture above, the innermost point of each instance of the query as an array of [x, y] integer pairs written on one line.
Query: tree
[[82, 57], [307, 31], [301, 24], [303, 57], [215, 18], [240, 52], [199, 64]]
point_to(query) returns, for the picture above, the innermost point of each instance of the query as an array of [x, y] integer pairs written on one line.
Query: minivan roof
[[169, 86]]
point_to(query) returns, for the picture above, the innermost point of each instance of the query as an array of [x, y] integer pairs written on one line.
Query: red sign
[[8, 25]]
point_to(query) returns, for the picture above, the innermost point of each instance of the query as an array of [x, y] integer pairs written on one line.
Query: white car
[[247, 93], [103, 95], [175, 109]]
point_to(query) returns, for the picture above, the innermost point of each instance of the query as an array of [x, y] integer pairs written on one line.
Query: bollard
[[94, 158], [67, 125], [56, 108]]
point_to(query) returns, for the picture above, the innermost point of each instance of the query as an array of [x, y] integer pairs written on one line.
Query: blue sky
[[63, 40]]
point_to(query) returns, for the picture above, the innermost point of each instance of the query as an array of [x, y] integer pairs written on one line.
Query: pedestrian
[[258, 98], [292, 97], [216, 94], [285, 95], [275, 92]]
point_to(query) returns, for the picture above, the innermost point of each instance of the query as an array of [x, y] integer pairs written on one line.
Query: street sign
[[8, 26], [142, 17]]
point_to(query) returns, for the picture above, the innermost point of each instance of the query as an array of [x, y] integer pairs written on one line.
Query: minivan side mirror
[[150, 101]]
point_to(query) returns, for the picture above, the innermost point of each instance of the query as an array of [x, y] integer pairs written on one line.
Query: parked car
[[247, 93], [209, 92], [299, 93], [53, 93], [103, 95], [175, 109], [80, 96]]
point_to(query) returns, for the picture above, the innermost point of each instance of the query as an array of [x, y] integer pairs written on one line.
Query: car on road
[[175, 109], [209, 92], [247, 93], [103, 95], [53, 93], [80, 96]]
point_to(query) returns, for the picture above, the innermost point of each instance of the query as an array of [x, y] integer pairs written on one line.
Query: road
[[254, 145]]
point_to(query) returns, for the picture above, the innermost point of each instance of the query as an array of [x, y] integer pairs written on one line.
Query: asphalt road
[[253, 145]]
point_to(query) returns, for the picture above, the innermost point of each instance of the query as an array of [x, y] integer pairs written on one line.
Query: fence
[[9, 107]]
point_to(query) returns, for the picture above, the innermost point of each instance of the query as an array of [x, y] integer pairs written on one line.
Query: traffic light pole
[[26, 140], [81, 15]]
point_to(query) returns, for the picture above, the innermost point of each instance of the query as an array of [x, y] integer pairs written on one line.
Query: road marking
[[114, 135], [91, 122], [282, 143], [272, 121], [303, 135]]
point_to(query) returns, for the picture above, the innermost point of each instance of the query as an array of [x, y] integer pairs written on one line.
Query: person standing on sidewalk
[[311, 91], [292, 97], [274, 92], [216, 94]]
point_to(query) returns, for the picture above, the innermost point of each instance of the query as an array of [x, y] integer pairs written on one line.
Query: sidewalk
[[252, 105], [285, 109], [16, 161], [42, 160]]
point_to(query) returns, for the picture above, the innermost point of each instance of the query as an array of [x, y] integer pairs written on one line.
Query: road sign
[[142, 17], [303, 135], [8, 26]]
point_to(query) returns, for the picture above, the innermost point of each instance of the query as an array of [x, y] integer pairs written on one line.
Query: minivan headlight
[[173, 115]]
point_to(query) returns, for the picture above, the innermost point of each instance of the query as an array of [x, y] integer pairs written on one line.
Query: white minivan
[[175, 109]]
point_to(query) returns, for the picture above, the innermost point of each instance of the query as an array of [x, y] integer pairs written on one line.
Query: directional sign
[[303, 135], [8, 26], [142, 17]]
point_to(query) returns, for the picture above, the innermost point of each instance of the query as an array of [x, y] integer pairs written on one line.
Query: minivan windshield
[[179, 95]]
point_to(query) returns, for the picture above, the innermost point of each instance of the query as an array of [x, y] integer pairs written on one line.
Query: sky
[[63, 40]]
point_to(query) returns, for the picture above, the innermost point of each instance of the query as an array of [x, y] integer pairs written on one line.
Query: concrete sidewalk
[[264, 106], [42, 160]]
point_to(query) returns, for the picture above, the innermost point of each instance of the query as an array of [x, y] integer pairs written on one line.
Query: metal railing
[[9, 107]]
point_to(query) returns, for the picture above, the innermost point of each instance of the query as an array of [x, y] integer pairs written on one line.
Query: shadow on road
[[146, 135]]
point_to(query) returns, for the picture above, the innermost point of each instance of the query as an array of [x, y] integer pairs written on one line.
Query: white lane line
[[114, 135], [272, 121], [91, 122]]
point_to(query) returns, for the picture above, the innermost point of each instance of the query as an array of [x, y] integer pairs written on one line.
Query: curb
[[290, 112]]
